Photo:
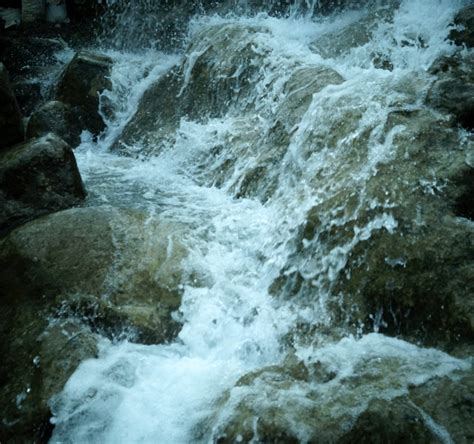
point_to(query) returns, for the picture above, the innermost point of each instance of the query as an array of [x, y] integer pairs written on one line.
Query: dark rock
[[83, 79], [28, 95], [464, 35], [37, 177], [11, 127], [47, 354], [59, 118], [33, 10], [453, 91]]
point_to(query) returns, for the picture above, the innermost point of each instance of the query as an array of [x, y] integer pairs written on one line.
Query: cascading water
[[305, 122]]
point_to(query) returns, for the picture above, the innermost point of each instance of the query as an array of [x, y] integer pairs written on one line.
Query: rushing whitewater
[[241, 173]]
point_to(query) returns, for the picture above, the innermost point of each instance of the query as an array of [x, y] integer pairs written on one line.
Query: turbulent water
[[242, 225]]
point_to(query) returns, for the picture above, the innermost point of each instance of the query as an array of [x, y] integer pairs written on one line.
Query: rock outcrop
[[37, 177], [11, 126]]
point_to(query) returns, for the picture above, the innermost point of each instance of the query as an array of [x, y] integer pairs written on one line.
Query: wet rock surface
[[37, 177], [464, 35], [11, 125], [453, 91], [123, 277], [58, 118], [83, 79], [66, 277], [316, 402]]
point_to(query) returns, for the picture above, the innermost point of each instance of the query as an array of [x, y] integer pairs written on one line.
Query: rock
[[198, 80], [398, 255], [48, 354], [65, 277], [37, 177], [11, 127], [449, 402], [464, 34], [126, 270], [390, 421], [33, 10], [58, 118], [81, 83], [349, 392], [28, 94], [453, 91]]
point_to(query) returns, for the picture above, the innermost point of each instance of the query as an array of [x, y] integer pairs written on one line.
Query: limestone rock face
[[83, 79], [11, 127], [56, 117], [37, 177]]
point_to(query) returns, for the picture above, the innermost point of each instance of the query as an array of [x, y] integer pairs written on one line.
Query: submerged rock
[[59, 118], [37, 177], [11, 126], [80, 85]]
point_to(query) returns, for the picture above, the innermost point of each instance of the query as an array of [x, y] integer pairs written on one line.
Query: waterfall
[[273, 165]]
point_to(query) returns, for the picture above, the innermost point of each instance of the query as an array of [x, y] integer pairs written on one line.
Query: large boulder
[[113, 266], [80, 85], [37, 177], [63, 279], [464, 34], [11, 126], [56, 117]]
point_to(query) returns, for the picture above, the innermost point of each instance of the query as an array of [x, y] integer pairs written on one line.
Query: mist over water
[[242, 228]]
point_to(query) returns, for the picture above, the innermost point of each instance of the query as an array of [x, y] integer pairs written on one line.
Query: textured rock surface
[[11, 126], [37, 177], [316, 402], [58, 118], [47, 354], [464, 35], [83, 79], [101, 263], [453, 91], [65, 276]]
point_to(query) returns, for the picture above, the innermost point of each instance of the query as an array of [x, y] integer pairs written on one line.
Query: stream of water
[[240, 241]]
